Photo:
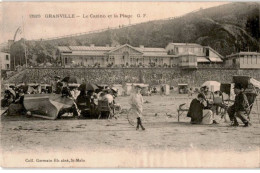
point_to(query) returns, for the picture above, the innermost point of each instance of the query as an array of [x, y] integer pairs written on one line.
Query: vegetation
[[228, 28]]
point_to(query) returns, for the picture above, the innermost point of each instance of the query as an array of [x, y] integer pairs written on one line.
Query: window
[[7, 66], [66, 60], [7, 57], [176, 50], [207, 52]]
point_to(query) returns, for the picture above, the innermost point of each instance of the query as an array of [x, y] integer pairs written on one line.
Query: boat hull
[[46, 105]]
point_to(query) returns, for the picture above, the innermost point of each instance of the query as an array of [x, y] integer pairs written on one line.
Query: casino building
[[184, 55]]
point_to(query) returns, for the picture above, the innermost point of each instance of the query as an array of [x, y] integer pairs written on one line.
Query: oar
[[4, 112]]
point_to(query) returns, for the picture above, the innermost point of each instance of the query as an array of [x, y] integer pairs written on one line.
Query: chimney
[[92, 45], [141, 46], [107, 45]]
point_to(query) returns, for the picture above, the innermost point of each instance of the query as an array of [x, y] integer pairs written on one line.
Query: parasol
[[70, 79], [246, 80], [11, 91], [88, 87]]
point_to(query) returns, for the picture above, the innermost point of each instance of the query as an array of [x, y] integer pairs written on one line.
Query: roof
[[64, 49], [151, 49], [119, 47], [84, 48], [90, 48], [243, 53], [4, 53], [186, 44], [91, 53], [214, 51], [158, 55]]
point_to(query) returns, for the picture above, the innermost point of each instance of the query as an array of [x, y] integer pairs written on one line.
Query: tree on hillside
[[17, 53]]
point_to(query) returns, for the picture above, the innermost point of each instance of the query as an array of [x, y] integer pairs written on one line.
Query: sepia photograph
[[130, 84]]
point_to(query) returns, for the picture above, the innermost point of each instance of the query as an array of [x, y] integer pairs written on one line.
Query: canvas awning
[[212, 85], [255, 83], [215, 59], [202, 59]]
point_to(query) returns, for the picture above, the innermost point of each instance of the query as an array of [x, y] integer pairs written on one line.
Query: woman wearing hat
[[136, 102], [240, 108]]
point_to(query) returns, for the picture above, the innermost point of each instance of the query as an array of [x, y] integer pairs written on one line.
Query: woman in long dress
[[136, 102]]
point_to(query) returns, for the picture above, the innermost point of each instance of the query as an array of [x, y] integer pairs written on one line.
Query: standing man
[[240, 108], [58, 85]]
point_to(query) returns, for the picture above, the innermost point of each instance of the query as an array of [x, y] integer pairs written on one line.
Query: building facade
[[243, 60], [190, 55], [175, 54], [5, 61]]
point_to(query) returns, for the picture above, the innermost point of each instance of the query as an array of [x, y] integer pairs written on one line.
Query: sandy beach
[[33, 135]]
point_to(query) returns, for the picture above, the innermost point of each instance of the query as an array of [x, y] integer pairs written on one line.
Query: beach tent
[[166, 89], [213, 85], [183, 88]]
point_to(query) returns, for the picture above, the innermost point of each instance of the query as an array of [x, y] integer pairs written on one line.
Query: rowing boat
[[46, 105]]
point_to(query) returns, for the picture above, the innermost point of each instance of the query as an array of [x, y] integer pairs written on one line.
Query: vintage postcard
[[130, 84]]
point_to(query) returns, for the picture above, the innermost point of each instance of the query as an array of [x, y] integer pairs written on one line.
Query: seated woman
[[208, 96], [85, 104], [106, 96], [198, 114], [117, 106]]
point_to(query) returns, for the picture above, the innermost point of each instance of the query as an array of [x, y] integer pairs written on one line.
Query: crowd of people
[[86, 100], [201, 111], [131, 75]]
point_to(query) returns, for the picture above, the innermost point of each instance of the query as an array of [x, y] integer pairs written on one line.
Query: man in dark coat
[[196, 110], [240, 108], [198, 114]]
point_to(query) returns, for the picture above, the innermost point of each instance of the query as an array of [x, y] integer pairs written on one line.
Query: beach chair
[[104, 108], [181, 110], [251, 97]]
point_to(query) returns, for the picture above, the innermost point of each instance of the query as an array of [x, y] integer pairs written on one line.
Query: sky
[[31, 16]]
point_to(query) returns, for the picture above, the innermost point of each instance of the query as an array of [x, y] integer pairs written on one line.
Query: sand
[[22, 135]]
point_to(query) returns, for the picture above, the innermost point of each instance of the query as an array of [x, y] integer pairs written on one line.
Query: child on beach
[[136, 102]]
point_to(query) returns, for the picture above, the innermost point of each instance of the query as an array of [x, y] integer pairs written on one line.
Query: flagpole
[[25, 53]]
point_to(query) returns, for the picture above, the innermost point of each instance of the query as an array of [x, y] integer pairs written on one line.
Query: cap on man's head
[[238, 86]]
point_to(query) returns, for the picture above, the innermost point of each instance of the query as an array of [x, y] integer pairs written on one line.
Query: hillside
[[227, 28]]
